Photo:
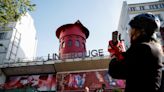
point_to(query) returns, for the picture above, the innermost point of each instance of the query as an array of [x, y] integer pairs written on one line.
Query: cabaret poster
[[92, 80], [39, 82]]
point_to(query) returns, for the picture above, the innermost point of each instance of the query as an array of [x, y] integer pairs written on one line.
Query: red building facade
[[72, 38]]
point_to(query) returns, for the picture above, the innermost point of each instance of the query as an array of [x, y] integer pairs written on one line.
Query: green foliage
[[11, 10]]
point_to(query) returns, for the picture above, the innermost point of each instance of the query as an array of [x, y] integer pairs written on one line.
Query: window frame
[[69, 43], [77, 43]]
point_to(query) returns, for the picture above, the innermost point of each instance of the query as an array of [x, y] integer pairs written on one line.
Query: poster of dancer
[[92, 80], [39, 82]]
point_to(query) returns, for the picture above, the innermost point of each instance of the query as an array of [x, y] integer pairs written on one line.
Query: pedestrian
[[141, 66]]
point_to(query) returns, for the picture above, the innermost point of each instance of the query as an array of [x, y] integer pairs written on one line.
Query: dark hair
[[147, 22]]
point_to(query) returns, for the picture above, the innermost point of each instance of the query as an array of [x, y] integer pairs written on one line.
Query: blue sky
[[101, 17]]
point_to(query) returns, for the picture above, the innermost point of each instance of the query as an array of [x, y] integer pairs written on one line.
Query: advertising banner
[[91, 80], [39, 82]]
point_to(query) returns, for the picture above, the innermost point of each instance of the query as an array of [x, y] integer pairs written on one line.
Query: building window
[[132, 8], [69, 43], [2, 36], [77, 43], [142, 8], [63, 45], [161, 5], [151, 7], [156, 6]]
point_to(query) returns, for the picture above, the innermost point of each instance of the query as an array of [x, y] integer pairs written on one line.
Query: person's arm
[[117, 69]]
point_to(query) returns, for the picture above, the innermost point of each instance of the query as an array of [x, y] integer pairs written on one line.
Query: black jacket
[[141, 68]]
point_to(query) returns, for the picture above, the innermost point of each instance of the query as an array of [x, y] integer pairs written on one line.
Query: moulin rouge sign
[[89, 53]]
